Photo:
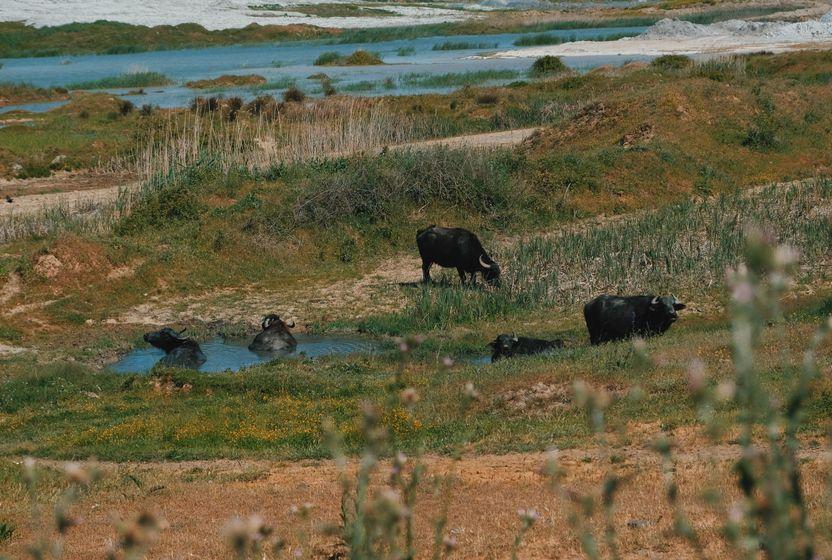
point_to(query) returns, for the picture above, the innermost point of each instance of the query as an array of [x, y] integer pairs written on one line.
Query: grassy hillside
[[672, 148]]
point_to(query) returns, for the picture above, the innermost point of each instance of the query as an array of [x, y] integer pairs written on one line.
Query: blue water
[[234, 355], [295, 62]]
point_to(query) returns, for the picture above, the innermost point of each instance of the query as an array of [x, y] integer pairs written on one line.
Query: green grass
[[406, 51], [457, 79], [541, 39], [13, 93], [684, 247], [357, 58], [129, 80]]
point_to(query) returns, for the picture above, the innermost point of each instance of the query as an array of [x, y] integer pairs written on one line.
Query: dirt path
[[80, 191], [197, 498]]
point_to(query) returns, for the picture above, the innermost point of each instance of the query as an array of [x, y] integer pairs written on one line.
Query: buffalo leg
[[426, 272], [461, 275]]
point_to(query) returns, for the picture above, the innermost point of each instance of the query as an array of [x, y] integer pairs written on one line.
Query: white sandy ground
[[680, 37], [211, 14]]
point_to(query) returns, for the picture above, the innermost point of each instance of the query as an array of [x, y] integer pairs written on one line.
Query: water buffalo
[[455, 248], [610, 318], [507, 346], [275, 336], [179, 351]]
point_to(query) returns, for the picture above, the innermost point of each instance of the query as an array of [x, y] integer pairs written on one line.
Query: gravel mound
[[813, 30]]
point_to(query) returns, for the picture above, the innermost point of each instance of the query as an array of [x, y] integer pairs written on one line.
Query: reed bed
[[684, 248], [329, 128]]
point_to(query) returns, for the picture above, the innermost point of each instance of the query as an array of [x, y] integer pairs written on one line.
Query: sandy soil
[[380, 290], [80, 190], [197, 498], [681, 37], [211, 14], [656, 47]]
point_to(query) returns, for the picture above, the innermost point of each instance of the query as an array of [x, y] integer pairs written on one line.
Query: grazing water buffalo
[[455, 248], [610, 318], [275, 336], [507, 346], [179, 351]]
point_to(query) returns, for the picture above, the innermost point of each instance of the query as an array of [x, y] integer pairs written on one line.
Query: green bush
[[358, 58], [548, 66], [672, 62]]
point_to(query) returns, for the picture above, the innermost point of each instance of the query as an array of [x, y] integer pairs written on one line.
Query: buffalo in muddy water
[[275, 336], [507, 346], [455, 248], [611, 318], [179, 351]]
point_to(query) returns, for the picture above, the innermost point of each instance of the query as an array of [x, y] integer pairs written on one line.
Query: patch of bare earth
[[379, 291], [198, 497]]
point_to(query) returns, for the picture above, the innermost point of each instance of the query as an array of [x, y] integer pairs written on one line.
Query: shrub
[[147, 110], [327, 87], [6, 531], [358, 58], [672, 62], [232, 108], [488, 98], [548, 66], [263, 106], [293, 95], [206, 105], [329, 58], [125, 107], [363, 58]]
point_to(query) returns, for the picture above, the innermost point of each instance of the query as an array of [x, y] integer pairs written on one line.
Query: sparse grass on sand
[[227, 81], [13, 94], [325, 9]]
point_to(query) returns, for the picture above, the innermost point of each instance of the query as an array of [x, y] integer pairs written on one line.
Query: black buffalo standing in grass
[[179, 351], [611, 318], [455, 248], [507, 346], [275, 336]]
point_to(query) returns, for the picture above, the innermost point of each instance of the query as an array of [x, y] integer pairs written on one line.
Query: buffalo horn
[[483, 263]]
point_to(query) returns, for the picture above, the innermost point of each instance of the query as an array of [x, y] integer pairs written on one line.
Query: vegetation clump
[[226, 81], [16, 93], [128, 80], [357, 58], [294, 95], [672, 62], [548, 66]]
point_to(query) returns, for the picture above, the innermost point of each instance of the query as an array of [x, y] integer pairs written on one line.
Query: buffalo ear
[[679, 306], [492, 344]]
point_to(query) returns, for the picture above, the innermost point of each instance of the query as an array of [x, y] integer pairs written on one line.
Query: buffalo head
[[166, 339], [274, 322], [490, 270], [665, 308], [503, 346]]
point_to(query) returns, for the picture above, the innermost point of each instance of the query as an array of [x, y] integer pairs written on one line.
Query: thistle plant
[[49, 538]]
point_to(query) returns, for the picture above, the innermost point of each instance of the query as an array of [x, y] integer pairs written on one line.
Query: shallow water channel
[[284, 63], [233, 355]]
